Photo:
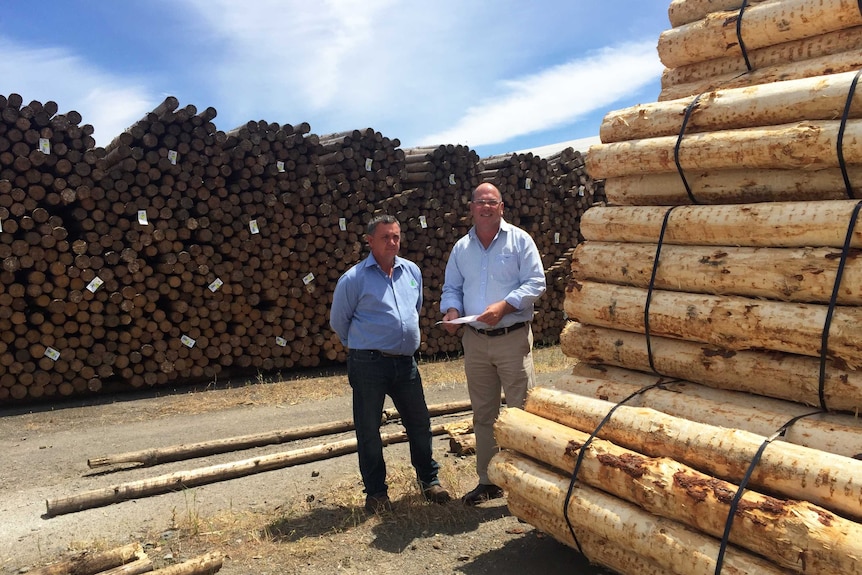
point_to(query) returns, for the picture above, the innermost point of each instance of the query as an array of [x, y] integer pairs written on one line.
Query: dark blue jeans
[[372, 377]]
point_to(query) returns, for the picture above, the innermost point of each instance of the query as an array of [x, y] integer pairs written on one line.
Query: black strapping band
[[689, 109], [586, 445], [739, 34], [840, 140], [655, 263], [742, 484], [824, 341]]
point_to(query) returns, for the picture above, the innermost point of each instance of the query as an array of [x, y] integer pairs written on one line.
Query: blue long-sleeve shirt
[[370, 310], [510, 269]]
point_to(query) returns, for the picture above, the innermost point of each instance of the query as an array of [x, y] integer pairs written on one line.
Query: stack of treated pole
[[724, 273]]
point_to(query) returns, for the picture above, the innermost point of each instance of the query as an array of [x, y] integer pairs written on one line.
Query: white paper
[[457, 320]]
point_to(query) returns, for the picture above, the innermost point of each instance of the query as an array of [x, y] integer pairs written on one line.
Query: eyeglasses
[[492, 203]]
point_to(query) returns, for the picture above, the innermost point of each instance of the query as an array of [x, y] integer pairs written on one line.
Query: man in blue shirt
[[494, 273], [375, 313]]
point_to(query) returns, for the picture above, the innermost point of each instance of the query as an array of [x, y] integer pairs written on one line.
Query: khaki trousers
[[495, 365]]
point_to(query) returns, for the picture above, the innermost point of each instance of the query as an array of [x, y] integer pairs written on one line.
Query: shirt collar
[[504, 227]]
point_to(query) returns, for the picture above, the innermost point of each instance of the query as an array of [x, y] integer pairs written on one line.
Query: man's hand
[[451, 314], [495, 312]]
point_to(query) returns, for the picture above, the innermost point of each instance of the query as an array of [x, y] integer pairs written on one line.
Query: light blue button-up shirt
[[371, 310], [510, 269]]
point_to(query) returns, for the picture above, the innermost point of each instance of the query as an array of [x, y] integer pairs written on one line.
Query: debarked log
[[733, 187], [790, 533], [784, 376], [201, 565], [771, 224], [785, 274], [731, 322], [819, 98], [784, 469], [190, 478], [668, 544], [806, 145], [832, 432], [763, 24], [599, 550], [684, 11], [92, 563]]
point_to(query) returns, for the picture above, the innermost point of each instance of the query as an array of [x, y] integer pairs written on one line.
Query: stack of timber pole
[[711, 424], [178, 252]]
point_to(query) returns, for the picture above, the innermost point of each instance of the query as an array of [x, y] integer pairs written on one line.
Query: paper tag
[[528, 183], [581, 191], [252, 225], [342, 224], [308, 278], [451, 179], [45, 145], [557, 237], [172, 156], [142, 218], [95, 284], [368, 163], [215, 285], [52, 353], [1, 225], [280, 341], [280, 165], [423, 222], [187, 341]]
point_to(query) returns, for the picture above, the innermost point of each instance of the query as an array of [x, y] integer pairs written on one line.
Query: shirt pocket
[[506, 267]]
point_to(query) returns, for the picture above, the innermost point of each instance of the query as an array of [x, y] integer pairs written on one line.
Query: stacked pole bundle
[[714, 310], [735, 44], [179, 252]]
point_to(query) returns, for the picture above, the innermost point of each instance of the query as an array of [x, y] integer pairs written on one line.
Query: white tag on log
[[252, 225], [52, 353], [95, 284], [581, 191], [280, 165], [423, 222], [557, 237], [528, 183], [280, 341], [451, 179], [215, 285], [142, 218], [1, 225], [45, 145], [172, 156], [187, 341], [342, 224], [308, 278], [368, 163]]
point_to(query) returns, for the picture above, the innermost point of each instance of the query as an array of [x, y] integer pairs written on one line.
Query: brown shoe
[[481, 494], [436, 494], [378, 503]]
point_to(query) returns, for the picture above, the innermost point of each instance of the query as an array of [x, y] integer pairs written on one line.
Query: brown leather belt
[[499, 330]]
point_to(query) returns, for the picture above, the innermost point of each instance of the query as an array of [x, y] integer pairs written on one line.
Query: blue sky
[[497, 76]]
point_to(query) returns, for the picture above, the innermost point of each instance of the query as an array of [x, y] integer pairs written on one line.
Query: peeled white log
[[771, 224], [664, 542], [808, 145], [835, 433], [820, 98], [786, 470], [785, 274], [731, 322], [201, 565], [783, 376], [733, 187], [789, 56], [598, 550], [788, 533], [684, 11], [764, 24], [808, 68]]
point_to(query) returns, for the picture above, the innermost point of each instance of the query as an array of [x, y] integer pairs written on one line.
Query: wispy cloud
[[554, 97], [109, 102]]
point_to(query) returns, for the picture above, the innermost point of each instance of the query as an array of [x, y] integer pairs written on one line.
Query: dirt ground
[[302, 519]]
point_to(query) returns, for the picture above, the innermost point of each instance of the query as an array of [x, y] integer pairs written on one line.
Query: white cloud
[[555, 97], [110, 103]]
